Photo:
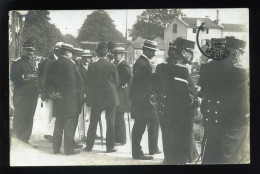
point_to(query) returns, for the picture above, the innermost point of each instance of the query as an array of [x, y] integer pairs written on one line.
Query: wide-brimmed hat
[[28, 45], [78, 51], [102, 48], [58, 45], [150, 45], [66, 46], [184, 44], [119, 50], [233, 43], [86, 53]]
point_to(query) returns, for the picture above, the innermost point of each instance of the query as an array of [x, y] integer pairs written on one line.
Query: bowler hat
[[150, 45], [86, 53], [28, 45], [102, 48], [233, 43], [66, 46], [119, 50], [78, 51]]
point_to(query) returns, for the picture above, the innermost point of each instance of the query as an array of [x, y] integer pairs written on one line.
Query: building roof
[[235, 27], [192, 22]]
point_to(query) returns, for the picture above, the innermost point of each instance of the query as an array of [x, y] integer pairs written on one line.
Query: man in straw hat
[[49, 110], [62, 84], [25, 80], [124, 78], [225, 106], [142, 109], [103, 82]]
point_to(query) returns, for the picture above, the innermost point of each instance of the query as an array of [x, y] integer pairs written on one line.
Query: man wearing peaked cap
[[124, 79], [50, 110], [142, 109], [103, 83], [225, 106], [176, 103], [62, 85], [25, 80]]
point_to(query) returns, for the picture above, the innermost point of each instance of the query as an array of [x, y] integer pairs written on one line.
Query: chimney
[[217, 21]]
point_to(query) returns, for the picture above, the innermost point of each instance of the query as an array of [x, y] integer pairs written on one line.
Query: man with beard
[[24, 77]]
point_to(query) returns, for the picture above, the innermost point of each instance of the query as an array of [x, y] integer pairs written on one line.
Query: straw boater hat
[[119, 50], [150, 45], [78, 51], [58, 45], [86, 53], [66, 46]]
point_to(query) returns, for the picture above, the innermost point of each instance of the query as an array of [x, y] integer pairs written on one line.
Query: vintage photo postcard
[[129, 87]]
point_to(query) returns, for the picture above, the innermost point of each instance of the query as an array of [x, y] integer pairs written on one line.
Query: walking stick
[[84, 124], [101, 130], [129, 127]]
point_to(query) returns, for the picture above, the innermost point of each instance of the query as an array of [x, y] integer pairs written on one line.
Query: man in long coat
[[103, 83], [177, 102], [142, 109], [62, 86], [24, 77], [225, 106], [124, 78]]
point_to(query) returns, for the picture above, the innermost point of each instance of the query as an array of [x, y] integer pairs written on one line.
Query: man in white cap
[[43, 70], [143, 110]]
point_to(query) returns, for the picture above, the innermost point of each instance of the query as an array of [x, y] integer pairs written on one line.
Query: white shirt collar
[[85, 66], [55, 57], [146, 57], [120, 61], [72, 61]]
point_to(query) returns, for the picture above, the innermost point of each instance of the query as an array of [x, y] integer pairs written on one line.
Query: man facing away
[[142, 109], [103, 82]]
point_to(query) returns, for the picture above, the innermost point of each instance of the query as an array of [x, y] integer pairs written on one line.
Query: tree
[[152, 22], [44, 34], [99, 27]]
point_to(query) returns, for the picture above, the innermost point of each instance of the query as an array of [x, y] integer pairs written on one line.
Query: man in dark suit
[[103, 82], [142, 109], [43, 70], [124, 78], [24, 77], [62, 85]]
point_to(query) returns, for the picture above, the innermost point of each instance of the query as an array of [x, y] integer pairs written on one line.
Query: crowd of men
[[74, 84]]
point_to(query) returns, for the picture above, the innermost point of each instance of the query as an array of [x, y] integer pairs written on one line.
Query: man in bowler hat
[[142, 109], [103, 83]]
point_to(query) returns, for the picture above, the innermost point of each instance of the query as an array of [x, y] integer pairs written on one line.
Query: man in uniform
[[103, 83], [225, 106], [124, 78], [176, 103], [142, 109], [24, 77], [43, 70], [62, 85]]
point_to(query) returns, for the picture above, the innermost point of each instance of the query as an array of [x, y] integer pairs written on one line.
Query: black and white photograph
[[116, 87]]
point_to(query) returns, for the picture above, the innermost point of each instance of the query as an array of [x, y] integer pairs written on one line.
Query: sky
[[70, 21]]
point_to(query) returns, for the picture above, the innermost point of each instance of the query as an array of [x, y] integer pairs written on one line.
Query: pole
[[126, 30], [129, 127]]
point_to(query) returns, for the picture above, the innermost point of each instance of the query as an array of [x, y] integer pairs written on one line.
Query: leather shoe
[[157, 152], [73, 152], [87, 149], [144, 157], [56, 152], [119, 144], [76, 146], [114, 149]]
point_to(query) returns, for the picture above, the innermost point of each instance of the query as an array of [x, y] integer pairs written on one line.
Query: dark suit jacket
[[84, 73], [62, 78], [141, 90], [124, 77], [103, 83]]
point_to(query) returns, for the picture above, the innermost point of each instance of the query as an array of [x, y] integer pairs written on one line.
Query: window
[[174, 28], [194, 30], [207, 30]]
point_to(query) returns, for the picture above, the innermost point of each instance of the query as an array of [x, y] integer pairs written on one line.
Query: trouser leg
[[120, 128], [57, 135], [92, 129], [153, 132], [137, 133], [69, 132], [165, 137], [110, 133]]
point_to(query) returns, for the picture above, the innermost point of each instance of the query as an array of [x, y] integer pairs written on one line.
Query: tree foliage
[[98, 26], [152, 22]]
